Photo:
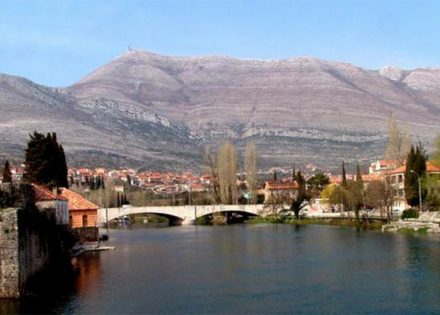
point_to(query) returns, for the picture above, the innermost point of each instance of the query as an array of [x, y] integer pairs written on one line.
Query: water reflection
[[256, 269], [89, 274]]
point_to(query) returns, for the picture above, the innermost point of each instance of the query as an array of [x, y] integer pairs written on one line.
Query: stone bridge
[[183, 214]]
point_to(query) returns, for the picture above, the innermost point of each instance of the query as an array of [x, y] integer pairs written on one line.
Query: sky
[[56, 43]]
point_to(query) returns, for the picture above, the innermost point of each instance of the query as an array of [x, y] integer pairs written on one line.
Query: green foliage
[[359, 180], [318, 183], [436, 154], [413, 231], [415, 166], [9, 196], [432, 185], [7, 175], [302, 197], [45, 161], [410, 214], [344, 176]]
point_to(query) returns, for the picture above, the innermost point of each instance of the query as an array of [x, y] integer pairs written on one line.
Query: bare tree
[[210, 165], [380, 194], [227, 173], [250, 168], [276, 204], [399, 142]]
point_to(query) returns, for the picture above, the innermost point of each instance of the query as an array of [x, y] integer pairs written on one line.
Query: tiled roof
[[44, 194], [371, 177], [76, 201], [279, 185], [430, 168]]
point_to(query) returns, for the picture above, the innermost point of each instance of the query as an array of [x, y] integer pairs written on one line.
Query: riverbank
[[364, 223]]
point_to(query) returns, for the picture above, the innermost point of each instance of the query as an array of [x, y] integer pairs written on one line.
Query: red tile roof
[[279, 185], [44, 194], [430, 168], [76, 201]]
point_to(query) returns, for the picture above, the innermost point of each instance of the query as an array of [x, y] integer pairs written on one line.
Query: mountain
[[154, 111]]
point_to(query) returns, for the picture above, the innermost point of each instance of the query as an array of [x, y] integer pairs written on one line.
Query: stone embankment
[[30, 245], [427, 222]]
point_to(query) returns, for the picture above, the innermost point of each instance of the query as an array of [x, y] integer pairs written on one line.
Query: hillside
[[155, 111]]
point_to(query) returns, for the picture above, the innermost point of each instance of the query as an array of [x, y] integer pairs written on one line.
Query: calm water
[[255, 269]]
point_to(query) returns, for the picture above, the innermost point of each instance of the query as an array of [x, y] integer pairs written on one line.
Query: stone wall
[[86, 234], [30, 243], [9, 274]]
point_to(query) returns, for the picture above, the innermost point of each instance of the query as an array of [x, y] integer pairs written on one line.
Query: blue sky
[[56, 43]]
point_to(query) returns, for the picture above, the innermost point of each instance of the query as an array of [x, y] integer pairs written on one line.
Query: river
[[253, 269]]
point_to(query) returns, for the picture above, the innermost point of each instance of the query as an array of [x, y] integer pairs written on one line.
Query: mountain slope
[[159, 112]]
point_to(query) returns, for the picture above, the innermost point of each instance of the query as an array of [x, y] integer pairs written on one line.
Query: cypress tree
[[344, 176], [359, 180], [98, 182], [45, 161], [416, 162], [102, 182], [62, 168], [7, 175], [92, 183], [274, 176]]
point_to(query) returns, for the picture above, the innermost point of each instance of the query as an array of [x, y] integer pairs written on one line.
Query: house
[[279, 189], [396, 178], [82, 212], [52, 203], [382, 166]]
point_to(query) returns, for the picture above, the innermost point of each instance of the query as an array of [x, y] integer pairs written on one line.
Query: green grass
[[372, 224], [422, 231]]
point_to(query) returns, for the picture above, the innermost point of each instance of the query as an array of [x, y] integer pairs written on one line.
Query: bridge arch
[[187, 214]]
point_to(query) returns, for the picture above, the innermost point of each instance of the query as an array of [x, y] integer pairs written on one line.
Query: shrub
[[410, 214]]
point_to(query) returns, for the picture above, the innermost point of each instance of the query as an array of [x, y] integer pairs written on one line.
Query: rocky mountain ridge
[[153, 111]]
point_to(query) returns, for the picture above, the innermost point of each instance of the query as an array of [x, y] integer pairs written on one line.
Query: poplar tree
[[227, 173], [399, 142], [250, 167]]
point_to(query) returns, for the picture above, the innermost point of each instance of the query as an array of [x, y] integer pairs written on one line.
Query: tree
[[399, 142], [211, 167], [344, 176], [339, 196], [7, 175], [274, 176], [45, 161], [302, 197], [358, 191], [379, 195], [436, 154], [432, 185], [317, 183], [415, 168], [102, 182], [250, 168], [227, 173]]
